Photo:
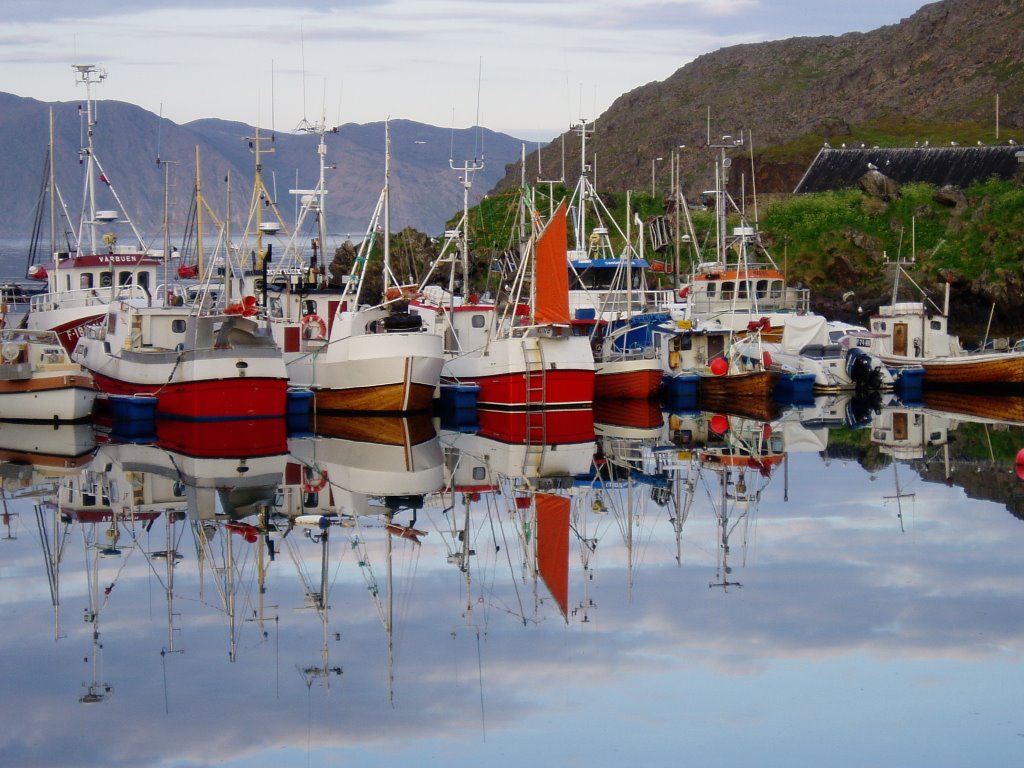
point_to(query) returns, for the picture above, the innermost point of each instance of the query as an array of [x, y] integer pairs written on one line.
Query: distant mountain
[[936, 73], [425, 191]]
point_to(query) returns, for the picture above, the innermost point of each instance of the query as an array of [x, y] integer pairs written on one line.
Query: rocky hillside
[[932, 76]]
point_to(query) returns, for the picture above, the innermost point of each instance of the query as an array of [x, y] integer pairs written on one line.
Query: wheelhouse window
[[85, 280]]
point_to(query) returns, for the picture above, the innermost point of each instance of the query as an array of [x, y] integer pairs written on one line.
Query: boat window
[[308, 307], [124, 277], [712, 287], [67, 279], [142, 278], [85, 280], [776, 289], [478, 321], [178, 325], [935, 325], [762, 289], [728, 288], [105, 280], [744, 287], [479, 473], [276, 308], [682, 343]]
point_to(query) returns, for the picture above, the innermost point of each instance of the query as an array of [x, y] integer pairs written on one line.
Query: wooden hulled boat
[[906, 333]]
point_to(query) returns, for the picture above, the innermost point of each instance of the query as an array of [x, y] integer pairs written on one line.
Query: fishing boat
[[522, 352], [354, 356], [907, 333], [699, 361], [39, 382], [199, 364], [97, 267], [610, 300], [742, 287]]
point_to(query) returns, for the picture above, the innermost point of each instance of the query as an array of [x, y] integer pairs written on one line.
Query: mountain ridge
[[129, 140]]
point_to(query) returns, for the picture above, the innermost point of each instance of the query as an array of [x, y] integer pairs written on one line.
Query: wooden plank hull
[[753, 384], [1000, 369], [1000, 408], [399, 397], [629, 379], [386, 430]]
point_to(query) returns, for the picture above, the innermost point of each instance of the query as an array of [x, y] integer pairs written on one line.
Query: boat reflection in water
[[290, 555]]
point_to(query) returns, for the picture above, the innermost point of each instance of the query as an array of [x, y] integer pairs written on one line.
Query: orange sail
[[552, 293], [553, 546]]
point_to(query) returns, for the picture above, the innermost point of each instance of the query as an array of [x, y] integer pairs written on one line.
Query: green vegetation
[[985, 241]]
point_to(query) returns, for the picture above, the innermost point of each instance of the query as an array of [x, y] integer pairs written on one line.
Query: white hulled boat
[[354, 357], [198, 364], [38, 381]]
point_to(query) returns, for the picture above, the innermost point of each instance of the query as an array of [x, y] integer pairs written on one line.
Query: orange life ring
[[313, 328], [313, 480]]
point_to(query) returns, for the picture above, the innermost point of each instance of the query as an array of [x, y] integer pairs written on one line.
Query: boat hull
[[998, 369], [628, 379], [752, 384], [53, 398], [209, 399], [384, 373], [69, 324], [537, 427]]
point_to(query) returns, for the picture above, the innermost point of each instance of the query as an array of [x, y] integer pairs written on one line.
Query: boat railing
[[86, 297]]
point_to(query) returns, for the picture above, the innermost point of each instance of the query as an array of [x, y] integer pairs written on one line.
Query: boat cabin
[[90, 279], [905, 329]]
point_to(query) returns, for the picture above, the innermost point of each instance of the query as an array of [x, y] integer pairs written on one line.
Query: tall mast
[[387, 206], [88, 75], [468, 169]]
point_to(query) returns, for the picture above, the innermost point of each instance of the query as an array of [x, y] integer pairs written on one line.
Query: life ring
[[313, 480], [313, 328]]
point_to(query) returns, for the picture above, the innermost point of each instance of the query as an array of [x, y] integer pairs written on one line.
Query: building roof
[[959, 166]]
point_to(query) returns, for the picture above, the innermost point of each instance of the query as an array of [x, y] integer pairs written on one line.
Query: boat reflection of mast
[[899, 496], [723, 569], [97, 690], [317, 599], [53, 552]]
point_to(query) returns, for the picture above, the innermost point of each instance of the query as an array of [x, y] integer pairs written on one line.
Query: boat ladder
[[535, 413]]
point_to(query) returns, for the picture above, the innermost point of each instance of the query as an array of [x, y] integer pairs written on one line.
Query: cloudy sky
[[527, 67]]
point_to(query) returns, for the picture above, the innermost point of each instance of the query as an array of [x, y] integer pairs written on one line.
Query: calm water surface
[[801, 592]]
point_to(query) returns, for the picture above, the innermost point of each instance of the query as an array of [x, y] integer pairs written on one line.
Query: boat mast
[[386, 271], [89, 75], [468, 168]]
